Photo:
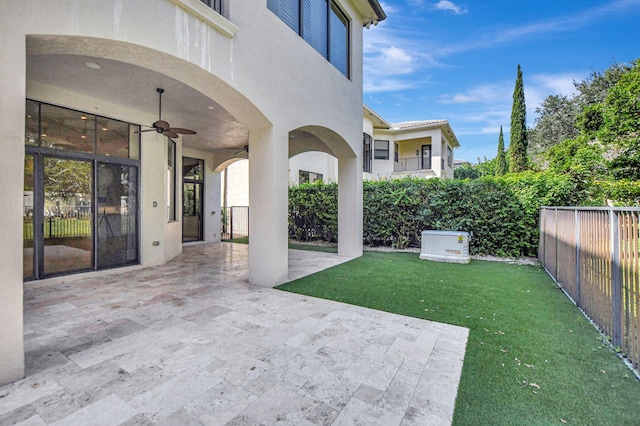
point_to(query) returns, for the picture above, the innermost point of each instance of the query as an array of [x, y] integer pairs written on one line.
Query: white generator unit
[[445, 246]]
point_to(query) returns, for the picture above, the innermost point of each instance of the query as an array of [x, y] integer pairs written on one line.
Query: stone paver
[[190, 342]]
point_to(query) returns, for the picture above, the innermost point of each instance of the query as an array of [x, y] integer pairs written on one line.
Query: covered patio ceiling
[[134, 87]]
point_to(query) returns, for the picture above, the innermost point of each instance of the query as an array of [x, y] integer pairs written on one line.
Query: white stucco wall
[[261, 74], [316, 162]]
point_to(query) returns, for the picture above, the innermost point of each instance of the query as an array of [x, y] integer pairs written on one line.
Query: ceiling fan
[[163, 127]]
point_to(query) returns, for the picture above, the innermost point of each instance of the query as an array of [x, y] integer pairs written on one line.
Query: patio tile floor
[[191, 343]]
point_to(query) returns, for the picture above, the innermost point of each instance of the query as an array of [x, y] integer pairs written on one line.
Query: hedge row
[[502, 213]]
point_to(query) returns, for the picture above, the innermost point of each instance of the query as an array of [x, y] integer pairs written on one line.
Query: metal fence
[[235, 222], [60, 222], [593, 254]]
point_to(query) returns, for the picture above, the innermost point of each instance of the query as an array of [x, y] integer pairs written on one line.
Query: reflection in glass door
[[67, 225], [192, 212], [28, 218], [192, 190], [116, 212]]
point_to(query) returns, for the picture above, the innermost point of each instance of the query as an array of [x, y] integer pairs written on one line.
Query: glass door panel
[[426, 157], [116, 215], [68, 236], [28, 219], [192, 212]]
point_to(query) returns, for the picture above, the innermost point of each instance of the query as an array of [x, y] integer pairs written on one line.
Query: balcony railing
[[409, 165], [217, 5]]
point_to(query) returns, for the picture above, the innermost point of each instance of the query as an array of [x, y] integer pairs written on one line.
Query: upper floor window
[[321, 23], [449, 157], [217, 5], [366, 155], [380, 150]]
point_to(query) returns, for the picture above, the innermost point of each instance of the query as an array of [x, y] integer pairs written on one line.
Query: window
[[171, 180], [320, 23], [381, 150], [366, 156], [449, 157], [217, 5], [80, 191], [396, 152], [50, 126], [308, 177]]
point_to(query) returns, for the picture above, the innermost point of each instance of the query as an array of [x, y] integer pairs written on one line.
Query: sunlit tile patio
[[190, 342]]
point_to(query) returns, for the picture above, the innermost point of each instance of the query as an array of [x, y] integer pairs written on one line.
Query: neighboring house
[[390, 151], [78, 84], [460, 163]]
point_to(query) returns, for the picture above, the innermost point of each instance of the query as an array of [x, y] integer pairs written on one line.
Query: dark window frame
[[332, 9], [172, 191], [367, 153], [217, 5], [380, 153]]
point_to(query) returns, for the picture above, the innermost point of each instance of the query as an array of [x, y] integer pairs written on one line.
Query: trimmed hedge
[[502, 213]]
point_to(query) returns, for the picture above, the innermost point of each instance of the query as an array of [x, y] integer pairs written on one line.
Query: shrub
[[502, 213]]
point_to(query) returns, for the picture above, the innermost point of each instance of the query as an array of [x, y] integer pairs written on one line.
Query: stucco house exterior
[[98, 166], [390, 151]]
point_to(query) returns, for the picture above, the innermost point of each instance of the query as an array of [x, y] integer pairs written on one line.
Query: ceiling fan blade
[[170, 134], [146, 130], [181, 130]]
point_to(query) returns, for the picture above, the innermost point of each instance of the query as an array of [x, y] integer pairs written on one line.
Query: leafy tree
[[501, 159], [594, 89], [556, 122], [518, 143], [621, 124], [466, 171]]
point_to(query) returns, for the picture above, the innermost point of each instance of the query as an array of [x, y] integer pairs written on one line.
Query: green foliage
[[502, 213], [622, 192], [518, 135], [501, 158], [556, 122], [313, 212], [466, 171]]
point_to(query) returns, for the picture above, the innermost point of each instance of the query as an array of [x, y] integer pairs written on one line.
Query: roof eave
[[371, 11]]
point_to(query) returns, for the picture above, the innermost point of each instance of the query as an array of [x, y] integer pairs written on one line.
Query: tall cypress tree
[[518, 136], [501, 159]]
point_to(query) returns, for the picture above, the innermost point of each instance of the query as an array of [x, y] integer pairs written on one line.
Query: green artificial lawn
[[531, 358], [295, 246]]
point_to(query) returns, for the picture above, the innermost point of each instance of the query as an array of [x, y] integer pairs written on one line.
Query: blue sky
[[457, 59]]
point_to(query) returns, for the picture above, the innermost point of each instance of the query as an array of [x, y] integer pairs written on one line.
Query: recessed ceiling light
[[211, 107], [93, 65], [105, 129], [84, 117]]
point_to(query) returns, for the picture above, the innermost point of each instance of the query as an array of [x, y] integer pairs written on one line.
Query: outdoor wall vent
[[445, 246]]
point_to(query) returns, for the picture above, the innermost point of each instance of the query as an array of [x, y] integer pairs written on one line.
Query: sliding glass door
[[67, 218], [80, 201]]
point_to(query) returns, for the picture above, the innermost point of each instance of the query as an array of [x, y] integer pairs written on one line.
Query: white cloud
[[486, 93], [386, 85], [450, 6]]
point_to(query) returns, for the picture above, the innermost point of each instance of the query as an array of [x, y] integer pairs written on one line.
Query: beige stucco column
[[12, 107], [350, 207], [268, 192]]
